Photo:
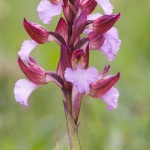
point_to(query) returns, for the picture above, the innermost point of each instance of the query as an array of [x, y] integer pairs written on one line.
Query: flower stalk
[[73, 75], [72, 129]]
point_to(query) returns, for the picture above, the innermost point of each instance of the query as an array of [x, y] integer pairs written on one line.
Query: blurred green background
[[38, 126]]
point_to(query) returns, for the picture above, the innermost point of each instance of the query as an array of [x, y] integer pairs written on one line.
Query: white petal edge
[[26, 48], [111, 44], [22, 90], [111, 98], [46, 11], [94, 16], [106, 6], [81, 78]]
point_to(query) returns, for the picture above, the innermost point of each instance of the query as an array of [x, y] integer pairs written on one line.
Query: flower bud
[[104, 23], [37, 32], [89, 5]]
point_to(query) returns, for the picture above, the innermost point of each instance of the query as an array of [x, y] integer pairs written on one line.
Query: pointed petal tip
[[108, 67], [118, 16], [118, 75], [24, 19], [25, 22]]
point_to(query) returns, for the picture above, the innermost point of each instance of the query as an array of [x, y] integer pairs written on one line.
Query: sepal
[[104, 23], [37, 32], [88, 5], [67, 14], [103, 85], [64, 62], [79, 26], [95, 40], [33, 71], [62, 29]]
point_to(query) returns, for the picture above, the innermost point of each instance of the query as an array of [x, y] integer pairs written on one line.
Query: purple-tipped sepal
[[88, 5], [104, 23], [103, 88], [33, 71], [37, 32]]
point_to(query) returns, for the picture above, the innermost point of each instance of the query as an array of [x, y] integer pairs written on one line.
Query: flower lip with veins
[[81, 78]]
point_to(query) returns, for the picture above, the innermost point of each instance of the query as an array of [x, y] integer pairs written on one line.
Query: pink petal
[[47, 10], [111, 98], [81, 78], [91, 17], [22, 90], [87, 31], [106, 6], [26, 49], [111, 44]]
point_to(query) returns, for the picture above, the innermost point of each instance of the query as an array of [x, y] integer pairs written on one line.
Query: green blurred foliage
[[41, 126]]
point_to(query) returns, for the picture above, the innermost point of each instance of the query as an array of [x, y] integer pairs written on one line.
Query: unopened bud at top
[[37, 32]]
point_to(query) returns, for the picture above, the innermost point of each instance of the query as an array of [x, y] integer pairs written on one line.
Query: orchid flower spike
[[77, 33]]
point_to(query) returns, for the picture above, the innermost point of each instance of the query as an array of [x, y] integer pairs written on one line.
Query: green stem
[[72, 128]]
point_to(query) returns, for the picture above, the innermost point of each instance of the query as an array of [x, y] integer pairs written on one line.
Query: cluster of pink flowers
[[72, 75]]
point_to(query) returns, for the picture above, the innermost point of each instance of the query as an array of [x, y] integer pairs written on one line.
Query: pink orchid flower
[[73, 75]]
